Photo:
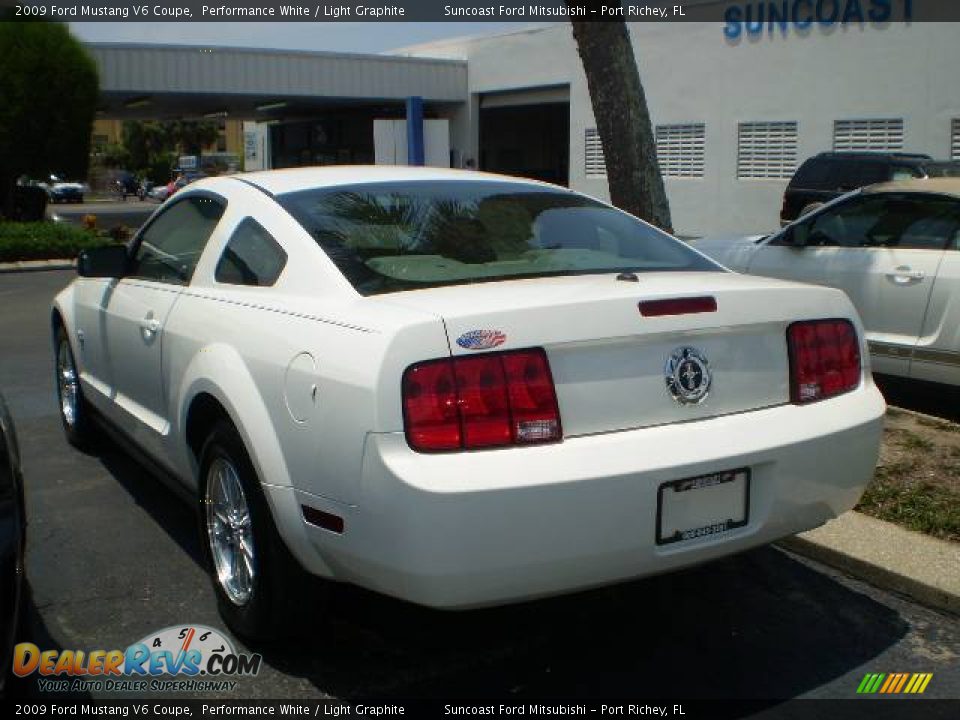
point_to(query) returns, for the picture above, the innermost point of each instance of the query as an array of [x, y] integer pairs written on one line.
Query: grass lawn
[[917, 482]]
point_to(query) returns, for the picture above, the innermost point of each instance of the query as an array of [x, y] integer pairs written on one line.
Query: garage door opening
[[531, 140]]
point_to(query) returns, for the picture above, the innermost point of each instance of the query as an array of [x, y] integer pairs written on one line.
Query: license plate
[[702, 506]]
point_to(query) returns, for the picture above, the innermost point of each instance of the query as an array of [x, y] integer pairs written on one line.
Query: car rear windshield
[[389, 237]]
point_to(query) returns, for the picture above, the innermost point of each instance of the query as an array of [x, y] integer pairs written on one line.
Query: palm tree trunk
[[623, 121]]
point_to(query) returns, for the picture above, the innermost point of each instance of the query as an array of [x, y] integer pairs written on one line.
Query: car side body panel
[[936, 357]]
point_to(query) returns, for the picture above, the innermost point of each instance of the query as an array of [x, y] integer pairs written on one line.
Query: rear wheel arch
[[217, 383], [204, 413]]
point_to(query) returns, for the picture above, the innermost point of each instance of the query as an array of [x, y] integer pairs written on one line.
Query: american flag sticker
[[481, 339]]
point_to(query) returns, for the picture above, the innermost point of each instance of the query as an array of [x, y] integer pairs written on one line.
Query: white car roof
[[278, 182]]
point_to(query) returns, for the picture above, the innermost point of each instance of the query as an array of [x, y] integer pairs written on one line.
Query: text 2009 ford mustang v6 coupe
[[459, 389]]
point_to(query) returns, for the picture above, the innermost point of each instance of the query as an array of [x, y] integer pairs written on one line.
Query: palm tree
[[623, 121]]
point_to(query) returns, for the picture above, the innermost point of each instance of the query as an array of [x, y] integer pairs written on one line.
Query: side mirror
[[109, 261]]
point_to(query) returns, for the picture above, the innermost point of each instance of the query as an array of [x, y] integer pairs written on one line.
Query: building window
[[594, 164], [955, 139], [680, 150], [767, 150], [882, 135]]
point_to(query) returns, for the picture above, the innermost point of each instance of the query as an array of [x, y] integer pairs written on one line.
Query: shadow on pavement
[[169, 510], [757, 625], [926, 397], [32, 629]]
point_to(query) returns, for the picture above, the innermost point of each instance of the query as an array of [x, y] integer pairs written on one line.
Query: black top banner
[[784, 13], [493, 708]]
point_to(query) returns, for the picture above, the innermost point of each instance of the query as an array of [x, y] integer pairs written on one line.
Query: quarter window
[[252, 257], [170, 247]]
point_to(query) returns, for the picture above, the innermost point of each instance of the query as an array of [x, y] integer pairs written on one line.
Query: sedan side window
[[908, 221], [170, 247], [252, 257], [844, 225], [929, 223]]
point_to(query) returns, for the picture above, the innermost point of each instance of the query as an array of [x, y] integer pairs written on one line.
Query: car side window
[[868, 173], [842, 225], [905, 172], [928, 223], [170, 247], [915, 222], [252, 257]]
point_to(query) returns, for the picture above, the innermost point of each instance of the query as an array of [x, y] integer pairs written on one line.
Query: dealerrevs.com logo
[[180, 658]]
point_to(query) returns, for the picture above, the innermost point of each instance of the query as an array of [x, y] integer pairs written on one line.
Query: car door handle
[[150, 325], [904, 274]]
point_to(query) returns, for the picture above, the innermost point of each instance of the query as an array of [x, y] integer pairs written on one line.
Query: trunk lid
[[609, 361]]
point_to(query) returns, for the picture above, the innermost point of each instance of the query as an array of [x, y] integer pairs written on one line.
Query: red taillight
[[430, 406], [824, 359], [482, 397], [480, 401]]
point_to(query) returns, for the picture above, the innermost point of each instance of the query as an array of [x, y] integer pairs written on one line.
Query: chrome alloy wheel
[[230, 531], [67, 383]]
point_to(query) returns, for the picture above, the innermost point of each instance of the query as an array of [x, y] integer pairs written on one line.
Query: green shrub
[[45, 240]]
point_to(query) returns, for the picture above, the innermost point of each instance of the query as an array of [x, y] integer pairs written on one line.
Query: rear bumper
[[483, 528]]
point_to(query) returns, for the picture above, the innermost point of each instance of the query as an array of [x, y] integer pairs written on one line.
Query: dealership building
[[736, 106]]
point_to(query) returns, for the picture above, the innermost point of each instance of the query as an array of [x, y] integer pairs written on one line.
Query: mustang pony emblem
[[688, 376]]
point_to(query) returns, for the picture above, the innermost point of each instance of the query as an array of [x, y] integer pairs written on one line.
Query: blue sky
[[363, 37]]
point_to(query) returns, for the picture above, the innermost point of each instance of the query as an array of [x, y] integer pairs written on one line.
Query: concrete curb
[[920, 415], [888, 556], [37, 265]]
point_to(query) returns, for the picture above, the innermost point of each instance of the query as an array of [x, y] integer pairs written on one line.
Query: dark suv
[[830, 174]]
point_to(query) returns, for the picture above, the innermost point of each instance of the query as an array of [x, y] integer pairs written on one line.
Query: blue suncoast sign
[[770, 16]]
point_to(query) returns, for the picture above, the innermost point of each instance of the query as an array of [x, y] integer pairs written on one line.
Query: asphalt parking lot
[[113, 555]]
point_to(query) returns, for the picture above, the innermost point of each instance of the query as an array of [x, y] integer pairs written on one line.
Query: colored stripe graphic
[[894, 683], [903, 681]]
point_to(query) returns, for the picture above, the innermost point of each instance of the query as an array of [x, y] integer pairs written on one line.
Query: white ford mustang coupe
[[458, 389]]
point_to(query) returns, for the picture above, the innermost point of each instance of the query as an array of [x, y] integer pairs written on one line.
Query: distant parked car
[[162, 192], [458, 388], [159, 192], [895, 250], [61, 191], [831, 174], [12, 539]]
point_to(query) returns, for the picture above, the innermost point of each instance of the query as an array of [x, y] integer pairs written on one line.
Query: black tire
[[269, 612], [79, 427]]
